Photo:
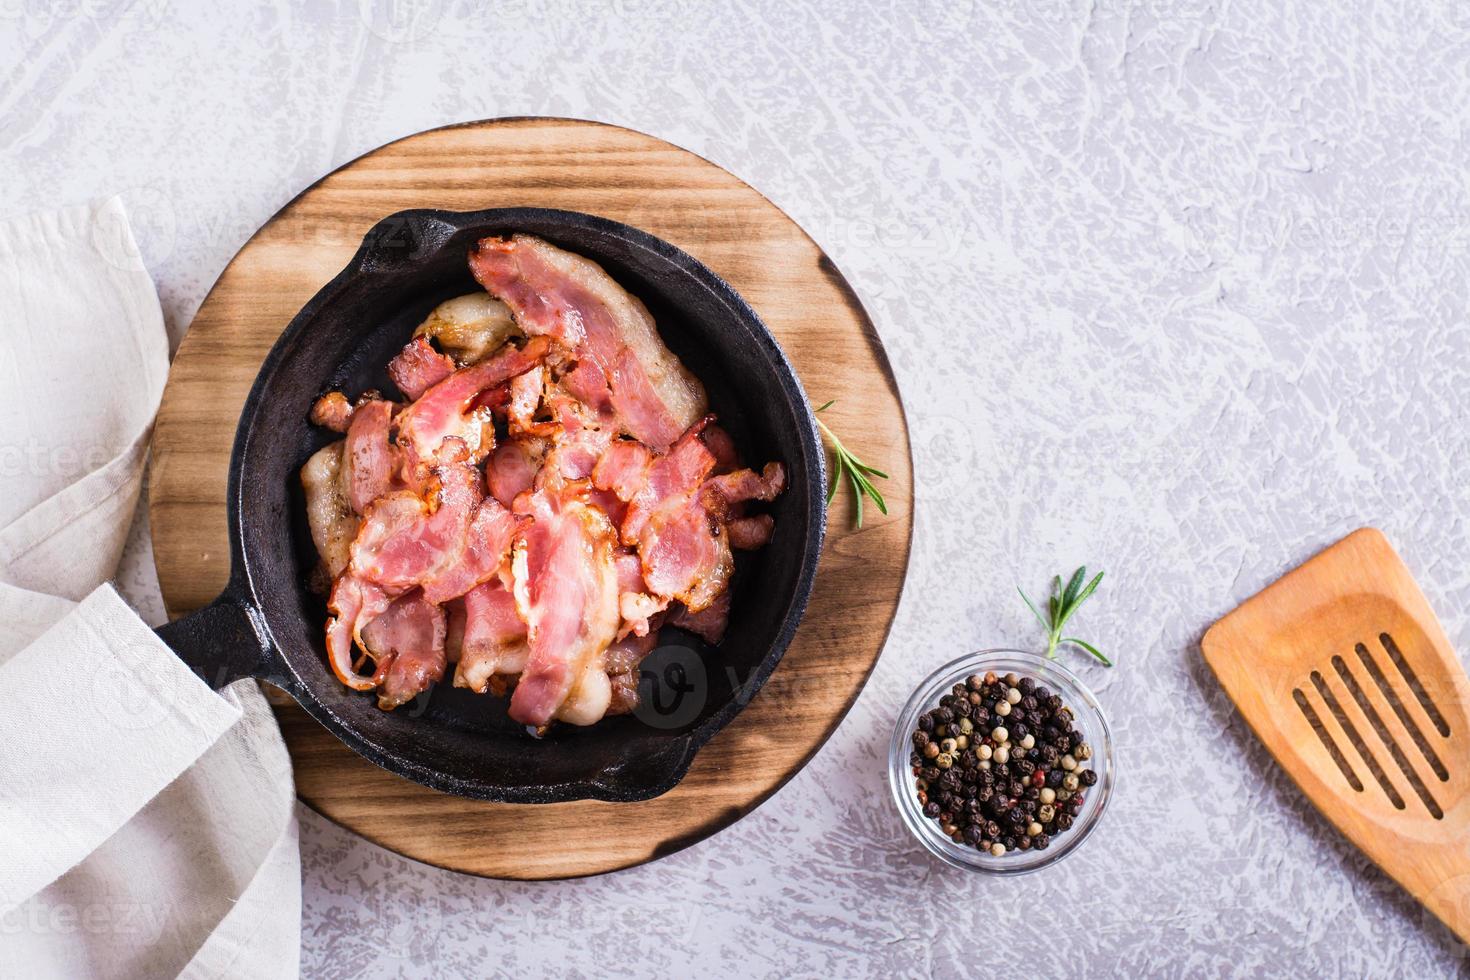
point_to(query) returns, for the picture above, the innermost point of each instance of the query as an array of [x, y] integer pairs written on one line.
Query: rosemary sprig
[[845, 464], [1060, 606]]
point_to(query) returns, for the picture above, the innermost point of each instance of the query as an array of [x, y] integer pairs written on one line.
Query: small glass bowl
[[1089, 719]]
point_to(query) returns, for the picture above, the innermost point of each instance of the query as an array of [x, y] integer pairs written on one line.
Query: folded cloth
[[147, 823]]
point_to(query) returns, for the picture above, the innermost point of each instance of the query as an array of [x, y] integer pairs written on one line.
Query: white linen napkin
[[147, 823]]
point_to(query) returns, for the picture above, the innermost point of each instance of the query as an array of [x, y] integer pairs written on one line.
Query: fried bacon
[[419, 367], [566, 590], [407, 642], [446, 410], [494, 641], [370, 459], [621, 358], [332, 411], [551, 494], [329, 514]]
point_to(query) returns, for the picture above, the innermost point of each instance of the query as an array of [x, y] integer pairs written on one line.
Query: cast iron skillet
[[268, 624]]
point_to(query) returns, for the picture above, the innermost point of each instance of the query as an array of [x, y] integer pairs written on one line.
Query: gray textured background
[[1175, 288]]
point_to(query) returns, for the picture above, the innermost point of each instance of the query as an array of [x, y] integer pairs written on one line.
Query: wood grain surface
[[675, 195], [1345, 674]]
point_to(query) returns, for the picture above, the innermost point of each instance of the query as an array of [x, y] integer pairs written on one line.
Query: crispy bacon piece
[[494, 640], [674, 475], [353, 605], [742, 485], [513, 467], [407, 540], [558, 294], [524, 399], [329, 514], [620, 662], [623, 468], [709, 623], [751, 533], [722, 447], [638, 608], [579, 440], [418, 367], [332, 411], [566, 589], [685, 550], [370, 458], [446, 411], [486, 545], [407, 643]]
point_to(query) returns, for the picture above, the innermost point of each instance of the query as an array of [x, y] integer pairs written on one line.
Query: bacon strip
[[407, 540], [558, 294], [485, 547], [446, 411], [328, 511], [370, 458], [512, 468], [354, 604], [566, 589], [332, 411], [418, 367], [494, 637], [407, 642]]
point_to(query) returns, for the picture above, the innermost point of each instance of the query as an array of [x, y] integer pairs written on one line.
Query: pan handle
[[222, 642]]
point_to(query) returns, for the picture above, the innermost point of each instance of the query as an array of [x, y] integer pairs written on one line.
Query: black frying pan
[[268, 624]]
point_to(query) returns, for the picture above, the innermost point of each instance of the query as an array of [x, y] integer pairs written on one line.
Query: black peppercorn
[[972, 835], [1023, 843], [974, 682], [1017, 729], [1030, 703], [1064, 821], [1027, 685], [1054, 778], [1041, 842], [943, 716], [931, 809]]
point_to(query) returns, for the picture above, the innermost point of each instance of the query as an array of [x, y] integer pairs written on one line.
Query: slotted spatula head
[[1345, 674]]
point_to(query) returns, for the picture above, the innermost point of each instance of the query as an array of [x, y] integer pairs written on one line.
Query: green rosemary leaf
[[1034, 611], [1089, 648], [1061, 604], [1091, 587], [1069, 597], [855, 471]]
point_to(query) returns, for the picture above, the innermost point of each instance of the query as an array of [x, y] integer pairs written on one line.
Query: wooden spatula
[[1343, 671]]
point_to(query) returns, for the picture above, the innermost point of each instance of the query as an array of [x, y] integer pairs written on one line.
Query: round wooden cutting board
[[677, 196]]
